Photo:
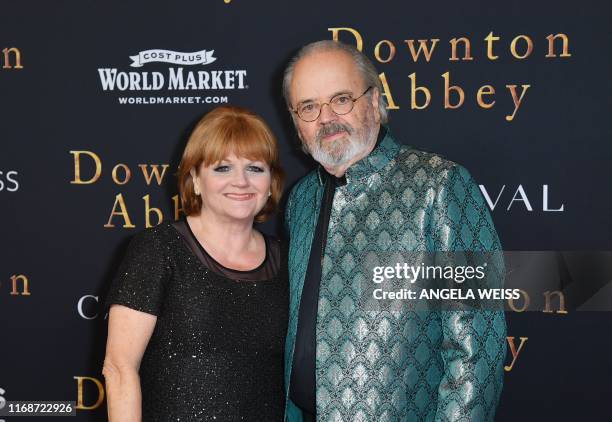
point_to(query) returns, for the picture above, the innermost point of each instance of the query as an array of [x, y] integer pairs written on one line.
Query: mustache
[[331, 128]]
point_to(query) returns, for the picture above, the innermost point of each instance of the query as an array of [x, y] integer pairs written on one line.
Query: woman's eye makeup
[[224, 168]]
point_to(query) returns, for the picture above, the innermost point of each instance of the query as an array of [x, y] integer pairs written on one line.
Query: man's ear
[[299, 134], [303, 145], [375, 100]]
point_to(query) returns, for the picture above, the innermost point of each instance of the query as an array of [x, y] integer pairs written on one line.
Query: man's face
[[332, 139]]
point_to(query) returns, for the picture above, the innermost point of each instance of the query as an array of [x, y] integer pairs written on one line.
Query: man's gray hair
[[364, 65]]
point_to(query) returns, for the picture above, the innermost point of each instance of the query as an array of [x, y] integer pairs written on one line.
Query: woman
[[199, 306]]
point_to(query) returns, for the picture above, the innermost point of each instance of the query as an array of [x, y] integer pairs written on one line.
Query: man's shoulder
[[301, 194], [306, 183], [430, 165], [410, 157]]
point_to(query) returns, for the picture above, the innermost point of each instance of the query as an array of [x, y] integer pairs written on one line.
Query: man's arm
[[474, 340]]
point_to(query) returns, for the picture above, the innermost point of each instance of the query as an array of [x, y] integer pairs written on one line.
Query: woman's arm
[[129, 332]]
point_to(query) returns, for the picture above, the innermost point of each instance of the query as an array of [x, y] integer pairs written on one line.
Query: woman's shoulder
[[155, 236], [144, 271]]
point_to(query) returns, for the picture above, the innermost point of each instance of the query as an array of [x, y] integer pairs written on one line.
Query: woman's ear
[[194, 181]]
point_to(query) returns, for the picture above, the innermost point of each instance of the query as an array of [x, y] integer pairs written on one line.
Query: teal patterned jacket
[[385, 366]]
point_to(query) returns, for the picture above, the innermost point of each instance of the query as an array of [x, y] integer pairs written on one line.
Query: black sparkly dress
[[216, 352]]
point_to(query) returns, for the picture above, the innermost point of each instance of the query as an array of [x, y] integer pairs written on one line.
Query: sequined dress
[[216, 350]]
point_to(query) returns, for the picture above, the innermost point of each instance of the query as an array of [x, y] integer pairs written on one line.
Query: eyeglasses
[[340, 104]]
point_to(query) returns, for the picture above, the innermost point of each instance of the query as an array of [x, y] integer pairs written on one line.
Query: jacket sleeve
[[474, 339]]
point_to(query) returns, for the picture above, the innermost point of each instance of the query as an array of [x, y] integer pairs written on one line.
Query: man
[[344, 361]]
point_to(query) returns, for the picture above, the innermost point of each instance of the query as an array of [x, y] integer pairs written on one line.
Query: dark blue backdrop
[[555, 149]]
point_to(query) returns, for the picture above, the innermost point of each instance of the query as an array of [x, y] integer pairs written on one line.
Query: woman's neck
[[225, 237]]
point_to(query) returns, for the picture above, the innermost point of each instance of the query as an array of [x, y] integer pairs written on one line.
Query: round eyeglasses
[[340, 104]]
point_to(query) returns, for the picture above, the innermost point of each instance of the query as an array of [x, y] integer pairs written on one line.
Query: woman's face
[[234, 188]]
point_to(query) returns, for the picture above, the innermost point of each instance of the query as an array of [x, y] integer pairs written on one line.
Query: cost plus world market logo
[[171, 85]]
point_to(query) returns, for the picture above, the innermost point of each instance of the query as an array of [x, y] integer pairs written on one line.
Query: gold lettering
[[467, 49], [353, 32], [551, 45], [414, 89], [422, 47], [177, 207], [80, 405], [529, 47], [547, 296], [489, 39], [481, 91], [154, 172], [514, 351], [25, 285], [387, 93], [391, 51], [126, 171], [148, 209], [448, 89], [515, 99], [526, 301], [7, 59], [127, 223], [77, 168]]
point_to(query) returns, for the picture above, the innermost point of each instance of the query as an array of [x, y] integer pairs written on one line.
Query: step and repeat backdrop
[[97, 100]]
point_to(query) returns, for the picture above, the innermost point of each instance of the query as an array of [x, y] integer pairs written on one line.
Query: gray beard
[[341, 151]]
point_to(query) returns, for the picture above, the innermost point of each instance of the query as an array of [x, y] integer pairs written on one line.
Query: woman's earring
[[196, 190], [270, 193]]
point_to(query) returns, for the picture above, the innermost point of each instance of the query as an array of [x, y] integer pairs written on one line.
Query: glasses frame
[[329, 103]]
